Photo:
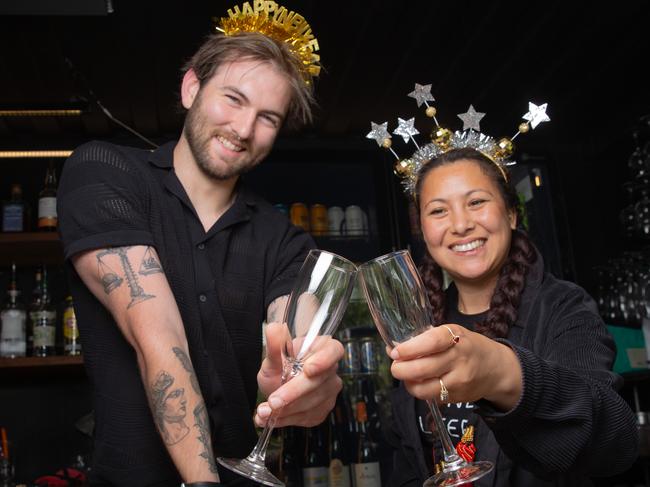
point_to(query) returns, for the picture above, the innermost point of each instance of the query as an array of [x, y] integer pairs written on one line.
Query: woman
[[531, 367]]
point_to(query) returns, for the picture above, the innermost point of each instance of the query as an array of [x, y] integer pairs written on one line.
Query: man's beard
[[199, 140]]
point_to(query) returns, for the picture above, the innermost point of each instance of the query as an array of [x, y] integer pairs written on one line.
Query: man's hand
[[306, 399]]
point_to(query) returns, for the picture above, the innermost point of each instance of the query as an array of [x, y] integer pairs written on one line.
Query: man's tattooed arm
[[187, 365], [203, 425]]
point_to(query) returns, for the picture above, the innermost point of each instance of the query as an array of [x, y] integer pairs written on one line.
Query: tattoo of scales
[[202, 424], [111, 281]]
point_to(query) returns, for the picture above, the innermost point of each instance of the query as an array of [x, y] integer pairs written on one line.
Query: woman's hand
[[476, 367]]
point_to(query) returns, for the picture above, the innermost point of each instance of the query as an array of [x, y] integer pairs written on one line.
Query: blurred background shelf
[[35, 248]]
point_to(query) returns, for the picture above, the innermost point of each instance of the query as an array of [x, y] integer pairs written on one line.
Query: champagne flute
[[314, 310], [401, 310]]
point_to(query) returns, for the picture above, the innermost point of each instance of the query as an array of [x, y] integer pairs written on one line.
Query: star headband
[[443, 139], [280, 24]]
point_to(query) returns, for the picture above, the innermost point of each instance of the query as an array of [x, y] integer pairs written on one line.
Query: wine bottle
[[366, 467], [12, 321], [290, 472], [339, 468], [315, 467], [47, 217]]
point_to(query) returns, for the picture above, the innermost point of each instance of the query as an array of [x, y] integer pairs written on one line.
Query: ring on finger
[[444, 393], [454, 338]]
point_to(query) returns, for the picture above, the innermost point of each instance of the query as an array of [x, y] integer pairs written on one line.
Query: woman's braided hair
[[512, 276]]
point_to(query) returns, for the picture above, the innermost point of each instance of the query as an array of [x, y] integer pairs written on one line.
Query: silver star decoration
[[422, 94], [379, 132], [471, 119], [536, 114], [405, 128]]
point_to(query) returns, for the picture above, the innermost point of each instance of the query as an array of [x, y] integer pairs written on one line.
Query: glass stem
[[259, 452], [452, 459], [291, 369]]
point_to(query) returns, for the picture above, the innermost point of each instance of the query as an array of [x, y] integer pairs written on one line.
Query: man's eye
[[272, 121]]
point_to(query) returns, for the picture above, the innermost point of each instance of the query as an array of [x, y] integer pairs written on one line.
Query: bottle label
[[12, 336], [12, 218], [314, 476], [339, 474], [44, 336], [46, 210], [367, 475]]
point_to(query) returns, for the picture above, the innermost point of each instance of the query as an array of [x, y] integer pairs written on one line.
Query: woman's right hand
[[476, 367]]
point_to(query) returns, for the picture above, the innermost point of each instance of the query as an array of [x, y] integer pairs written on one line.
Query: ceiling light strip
[[33, 154], [41, 113]]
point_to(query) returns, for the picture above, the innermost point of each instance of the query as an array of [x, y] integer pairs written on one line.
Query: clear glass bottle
[[13, 318], [47, 217]]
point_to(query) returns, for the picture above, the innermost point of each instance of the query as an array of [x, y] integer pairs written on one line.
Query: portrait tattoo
[[202, 424], [187, 365], [169, 409], [111, 281]]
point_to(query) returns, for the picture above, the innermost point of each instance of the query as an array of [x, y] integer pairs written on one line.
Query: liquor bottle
[[14, 211], [315, 467], [339, 468], [290, 472], [366, 467], [71, 342], [12, 321], [43, 319], [34, 304], [47, 218]]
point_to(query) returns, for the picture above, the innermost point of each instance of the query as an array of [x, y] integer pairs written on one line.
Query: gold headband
[[278, 23]]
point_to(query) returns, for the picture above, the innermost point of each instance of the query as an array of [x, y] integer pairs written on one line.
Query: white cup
[[335, 217], [356, 221]]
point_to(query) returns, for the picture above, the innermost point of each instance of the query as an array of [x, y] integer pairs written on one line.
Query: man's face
[[233, 119]]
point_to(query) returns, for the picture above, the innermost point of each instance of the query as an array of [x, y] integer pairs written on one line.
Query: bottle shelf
[[30, 248], [34, 362]]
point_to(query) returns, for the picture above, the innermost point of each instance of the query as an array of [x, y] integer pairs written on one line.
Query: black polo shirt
[[223, 281]]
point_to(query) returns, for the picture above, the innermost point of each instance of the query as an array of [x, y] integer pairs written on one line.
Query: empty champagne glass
[[400, 309], [314, 310]]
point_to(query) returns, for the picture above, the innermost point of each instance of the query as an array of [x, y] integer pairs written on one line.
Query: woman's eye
[[437, 211], [233, 99], [477, 202]]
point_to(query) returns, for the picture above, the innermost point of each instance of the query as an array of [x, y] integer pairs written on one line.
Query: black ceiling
[[587, 62]]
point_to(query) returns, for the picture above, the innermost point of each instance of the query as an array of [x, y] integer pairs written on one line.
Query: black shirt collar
[[245, 201]]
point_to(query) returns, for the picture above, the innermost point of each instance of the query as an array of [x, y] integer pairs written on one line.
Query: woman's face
[[466, 226]]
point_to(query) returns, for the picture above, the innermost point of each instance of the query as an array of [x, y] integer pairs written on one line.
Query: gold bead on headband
[[443, 139], [280, 24]]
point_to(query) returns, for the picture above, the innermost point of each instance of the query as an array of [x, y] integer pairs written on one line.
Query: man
[[173, 263]]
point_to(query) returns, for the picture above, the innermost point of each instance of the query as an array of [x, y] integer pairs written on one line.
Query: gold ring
[[454, 338], [444, 393]]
